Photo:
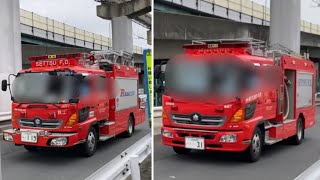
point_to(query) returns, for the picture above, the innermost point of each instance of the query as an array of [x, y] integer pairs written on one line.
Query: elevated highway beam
[[121, 14], [180, 28]]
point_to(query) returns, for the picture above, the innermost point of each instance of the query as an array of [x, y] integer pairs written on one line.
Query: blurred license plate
[[194, 143], [31, 137]]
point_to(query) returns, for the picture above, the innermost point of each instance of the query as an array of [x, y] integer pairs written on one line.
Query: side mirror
[[74, 100], [4, 85]]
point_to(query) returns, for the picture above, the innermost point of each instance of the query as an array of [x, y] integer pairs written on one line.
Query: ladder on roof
[[113, 57], [278, 48], [249, 41], [256, 47]]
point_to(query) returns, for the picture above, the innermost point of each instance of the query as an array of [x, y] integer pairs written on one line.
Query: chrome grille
[[204, 119], [45, 123]]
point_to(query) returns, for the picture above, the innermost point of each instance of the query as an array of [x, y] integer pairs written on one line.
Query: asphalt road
[[18, 163], [279, 161]]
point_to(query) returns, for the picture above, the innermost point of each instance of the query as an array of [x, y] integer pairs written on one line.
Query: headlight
[[7, 137], [228, 138], [61, 141], [167, 133]]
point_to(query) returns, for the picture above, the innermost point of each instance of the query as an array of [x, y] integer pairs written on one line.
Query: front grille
[[52, 124], [203, 119], [196, 135]]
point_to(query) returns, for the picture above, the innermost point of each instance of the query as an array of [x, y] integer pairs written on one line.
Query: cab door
[[103, 100]]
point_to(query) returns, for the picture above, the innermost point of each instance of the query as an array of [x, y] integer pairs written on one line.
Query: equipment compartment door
[[304, 89], [128, 96]]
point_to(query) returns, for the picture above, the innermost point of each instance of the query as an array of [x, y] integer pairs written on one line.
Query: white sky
[[81, 14]]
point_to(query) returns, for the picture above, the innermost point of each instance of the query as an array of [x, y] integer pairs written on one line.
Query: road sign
[[147, 56]]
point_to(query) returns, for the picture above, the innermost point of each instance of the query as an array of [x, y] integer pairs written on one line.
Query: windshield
[[201, 79], [45, 87]]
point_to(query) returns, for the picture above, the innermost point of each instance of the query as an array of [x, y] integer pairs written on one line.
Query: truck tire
[[298, 138], [130, 130], [31, 148], [89, 147], [253, 152], [181, 150]]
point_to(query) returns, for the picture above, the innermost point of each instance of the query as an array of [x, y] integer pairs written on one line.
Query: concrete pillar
[[122, 38], [149, 37], [285, 23], [10, 49]]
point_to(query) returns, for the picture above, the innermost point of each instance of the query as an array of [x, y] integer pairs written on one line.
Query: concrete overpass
[[137, 10], [179, 21], [41, 35]]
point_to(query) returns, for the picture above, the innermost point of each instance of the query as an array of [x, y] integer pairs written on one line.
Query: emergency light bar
[[59, 56], [226, 43]]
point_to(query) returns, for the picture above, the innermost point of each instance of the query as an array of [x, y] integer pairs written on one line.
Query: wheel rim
[[130, 128], [91, 141], [256, 144], [299, 130]]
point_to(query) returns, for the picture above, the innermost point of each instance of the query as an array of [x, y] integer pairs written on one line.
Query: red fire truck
[[281, 110], [74, 99]]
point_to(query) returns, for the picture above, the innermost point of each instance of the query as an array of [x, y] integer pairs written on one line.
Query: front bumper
[[211, 139], [43, 140]]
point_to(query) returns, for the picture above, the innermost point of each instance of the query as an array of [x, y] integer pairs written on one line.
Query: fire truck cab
[[74, 99], [246, 123]]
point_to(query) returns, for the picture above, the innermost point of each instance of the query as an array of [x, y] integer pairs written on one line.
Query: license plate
[[31, 137], [194, 143]]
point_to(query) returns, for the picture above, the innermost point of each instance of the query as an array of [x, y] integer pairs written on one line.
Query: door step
[[104, 137], [271, 141], [288, 121], [269, 124], [109, 123]]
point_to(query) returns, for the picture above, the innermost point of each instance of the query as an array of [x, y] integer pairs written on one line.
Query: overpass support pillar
[[149, 37], [121, 15], [10, 49], [285, 23], [122, 38]]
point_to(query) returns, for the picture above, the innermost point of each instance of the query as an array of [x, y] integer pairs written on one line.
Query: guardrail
[[34, 24], [311, 173], [125, 164]]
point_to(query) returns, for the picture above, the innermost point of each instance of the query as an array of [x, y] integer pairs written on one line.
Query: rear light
[[73, 119], [238, 116]]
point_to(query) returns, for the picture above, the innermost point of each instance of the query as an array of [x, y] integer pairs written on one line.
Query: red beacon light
[[220, 46]]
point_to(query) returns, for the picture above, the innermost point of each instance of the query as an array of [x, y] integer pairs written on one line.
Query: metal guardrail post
[[135, 168], [125, 164]]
